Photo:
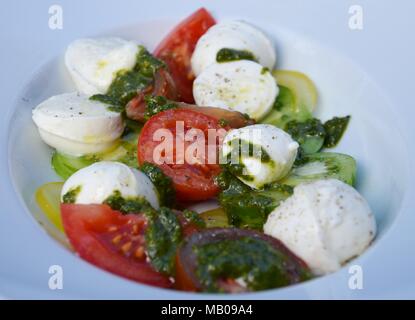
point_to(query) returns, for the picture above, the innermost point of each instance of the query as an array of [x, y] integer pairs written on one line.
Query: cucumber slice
[[311, 144], [125, 152], [215, 218], [66, 165], [48, 198], [296, 100], [323, 165]]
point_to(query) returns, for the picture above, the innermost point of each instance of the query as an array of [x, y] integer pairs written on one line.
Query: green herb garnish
[[227, 55]]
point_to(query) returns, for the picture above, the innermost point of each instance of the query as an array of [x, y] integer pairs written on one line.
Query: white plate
[[366, 73]]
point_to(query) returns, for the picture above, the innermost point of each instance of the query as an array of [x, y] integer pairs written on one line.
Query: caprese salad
[[206, 116]]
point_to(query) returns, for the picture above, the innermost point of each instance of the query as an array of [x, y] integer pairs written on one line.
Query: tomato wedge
[[163, 85], [192, 182], [177, 48], [111, 241]]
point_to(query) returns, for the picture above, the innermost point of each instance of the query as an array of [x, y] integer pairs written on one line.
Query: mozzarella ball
[[100, 180], [93, 63], [278, 152], [242, 86], [326, 223], [76, 125], [235, 35]]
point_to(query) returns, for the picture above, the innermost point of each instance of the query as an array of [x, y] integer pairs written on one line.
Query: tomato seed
[[116, 239], [135, 229], [139, 252], [126, 247]]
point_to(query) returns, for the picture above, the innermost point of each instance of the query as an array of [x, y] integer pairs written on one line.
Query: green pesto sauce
[[163, 183], [163, 236], [156, 104], [276, 187], [254, 260], [223, 122], [248, 149], [310, 134], [112, 102], [163, 233], [70, 196], [227, 55], [334, 130], [284, 100], [131, 127], [246, 116], [127, 82], [127, 205], [244, 206], [264, 70], [228, 183], [242, 148], [194, 218], [247, 210]]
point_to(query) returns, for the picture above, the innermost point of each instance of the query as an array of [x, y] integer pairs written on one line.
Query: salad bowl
[[351, 78]]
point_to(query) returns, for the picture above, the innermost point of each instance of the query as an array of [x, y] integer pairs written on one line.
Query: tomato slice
[[111, 241], [177, 48], [291, 269], [192, 182]]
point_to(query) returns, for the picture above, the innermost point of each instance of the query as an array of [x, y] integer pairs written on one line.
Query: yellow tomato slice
[[215, 218], [48, 198], [303, 88]]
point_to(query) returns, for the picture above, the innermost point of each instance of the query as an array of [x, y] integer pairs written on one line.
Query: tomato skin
[[177, 47], [88, 228], [184, 279], [163, 85], [192, 182], [233, 119], [188, 227]]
